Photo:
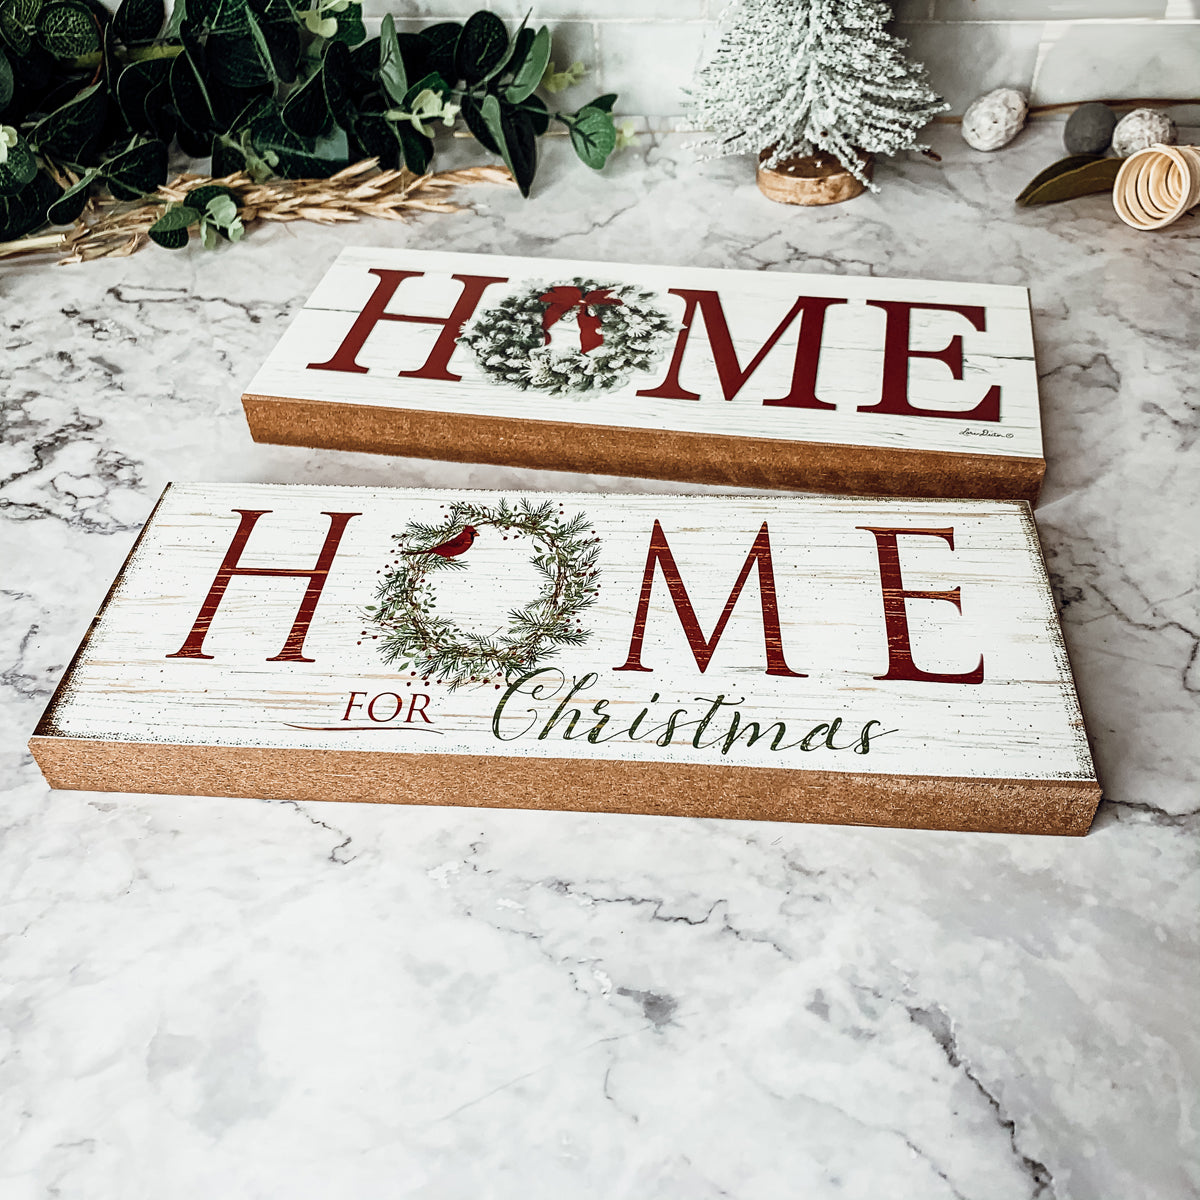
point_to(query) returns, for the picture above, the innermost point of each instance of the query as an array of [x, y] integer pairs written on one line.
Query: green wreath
[[622, 331], [413, 635]]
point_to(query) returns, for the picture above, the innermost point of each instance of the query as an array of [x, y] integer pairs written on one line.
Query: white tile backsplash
[[649, 63], [1120, 61], [990, 55], [1058, 50]]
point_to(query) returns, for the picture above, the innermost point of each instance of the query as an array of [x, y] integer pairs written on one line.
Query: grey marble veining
[[248, 999]]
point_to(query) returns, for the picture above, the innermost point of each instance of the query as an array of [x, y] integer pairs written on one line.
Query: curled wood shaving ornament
[[1157, 186]]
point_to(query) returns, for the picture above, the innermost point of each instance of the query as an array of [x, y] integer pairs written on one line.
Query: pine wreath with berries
[[622, 331], [413, 635]]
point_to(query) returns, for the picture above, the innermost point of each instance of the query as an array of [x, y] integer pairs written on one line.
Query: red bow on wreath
[[561, 300]]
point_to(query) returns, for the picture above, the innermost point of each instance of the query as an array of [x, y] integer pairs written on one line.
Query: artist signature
[[983, 433]]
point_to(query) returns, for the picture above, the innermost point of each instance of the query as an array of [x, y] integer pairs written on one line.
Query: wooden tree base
[[810, 179]]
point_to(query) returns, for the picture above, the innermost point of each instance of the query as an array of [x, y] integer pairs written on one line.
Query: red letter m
[[702, 647], [730, 372]]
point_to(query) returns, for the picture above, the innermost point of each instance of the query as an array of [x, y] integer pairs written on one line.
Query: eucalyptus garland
[[414, 636], [93, 101], [511, 345]]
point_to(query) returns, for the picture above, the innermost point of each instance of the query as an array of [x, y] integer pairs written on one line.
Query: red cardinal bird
[[460, 543]]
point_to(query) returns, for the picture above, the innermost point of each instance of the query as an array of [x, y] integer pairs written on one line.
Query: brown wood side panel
[[1059, 807], [641, 453]]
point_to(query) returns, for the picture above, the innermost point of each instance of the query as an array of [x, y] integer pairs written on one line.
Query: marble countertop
[[240, 999]]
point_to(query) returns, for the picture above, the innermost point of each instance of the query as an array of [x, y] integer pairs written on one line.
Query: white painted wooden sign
[[762, 379], [854, 660]]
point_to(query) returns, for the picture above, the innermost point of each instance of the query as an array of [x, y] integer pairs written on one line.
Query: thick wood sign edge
[[1058, 807], [643, 453]]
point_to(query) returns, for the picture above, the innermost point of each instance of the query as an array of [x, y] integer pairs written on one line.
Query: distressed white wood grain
[[1022, 721], [754, 302]]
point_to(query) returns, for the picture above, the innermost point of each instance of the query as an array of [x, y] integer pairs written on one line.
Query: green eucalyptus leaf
[[66, 209], [376, 137], [201, 198], [25, 11], [604, 103], [18, 169], [227, 156], [24, 211], [218, 216], [18, 24], [433, 82], [177, 216], [307, 110], [593, 136], [298, 157], [1076, 175], [441, 42], [517, 40], [417, 54], [391, 65], [231, 105], [16, 35], [222, 209], [68, 131], [227, 16], [283, 43], [337, 82], [193, 142], [67, 29], [489, 114], [236, 61], [531, 70], [137, 171], [159, 116], [179, 14], [365, 61], [521, 141], [208, 14], [481, 45], [477, 125], [139, 20], [262, 47], [522, 44], [171, 229], [417, 150], [134, 84], [189, 91], [333, 150], [512, 131], [350, 28], [6, 80], [538, 114], [249, 49]]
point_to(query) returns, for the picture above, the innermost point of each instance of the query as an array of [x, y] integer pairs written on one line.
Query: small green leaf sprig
[[415, 637], [95, 101], [213, 210]]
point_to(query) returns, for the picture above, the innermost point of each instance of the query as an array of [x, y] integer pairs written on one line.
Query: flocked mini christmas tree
[[795, 77]]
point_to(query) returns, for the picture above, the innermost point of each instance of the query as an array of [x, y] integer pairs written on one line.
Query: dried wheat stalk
[[111, 228]]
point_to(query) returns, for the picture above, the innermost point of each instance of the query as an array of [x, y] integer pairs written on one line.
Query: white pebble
[[1142, 128], [994, 119]]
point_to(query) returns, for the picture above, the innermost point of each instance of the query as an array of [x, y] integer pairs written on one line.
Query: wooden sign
[[819, 382], [812, 659]]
